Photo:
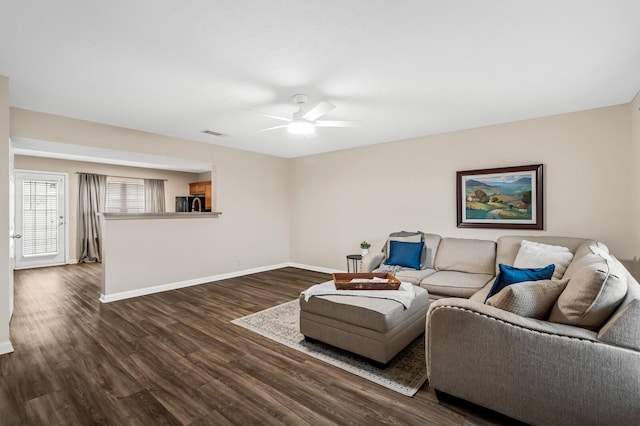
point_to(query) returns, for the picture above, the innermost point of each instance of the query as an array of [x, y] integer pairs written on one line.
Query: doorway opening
[[40, 219]]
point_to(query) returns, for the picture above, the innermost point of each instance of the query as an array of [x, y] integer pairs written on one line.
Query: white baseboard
[[314, 268], [72, 261], [106, 298], [5, 347]]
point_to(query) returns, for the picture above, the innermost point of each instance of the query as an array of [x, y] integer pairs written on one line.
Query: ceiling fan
[[305, 120]]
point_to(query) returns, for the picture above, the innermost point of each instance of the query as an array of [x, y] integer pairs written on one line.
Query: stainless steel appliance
[[190, 203]]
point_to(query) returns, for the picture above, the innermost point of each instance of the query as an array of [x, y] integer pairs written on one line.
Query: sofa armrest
[[499, 360], [371, 261], [513, 319]]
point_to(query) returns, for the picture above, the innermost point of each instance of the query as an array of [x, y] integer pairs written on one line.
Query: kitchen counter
[[167, 215]]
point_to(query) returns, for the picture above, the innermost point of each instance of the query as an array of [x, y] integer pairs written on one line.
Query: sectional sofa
[[559, 351]]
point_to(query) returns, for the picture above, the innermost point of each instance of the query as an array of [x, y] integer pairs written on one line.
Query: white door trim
[[12, 231]]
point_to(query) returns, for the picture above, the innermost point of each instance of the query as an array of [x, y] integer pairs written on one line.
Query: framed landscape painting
[[507, 198]]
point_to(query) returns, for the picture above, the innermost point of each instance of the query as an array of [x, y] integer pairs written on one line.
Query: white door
[[40, 219], [12, 230]]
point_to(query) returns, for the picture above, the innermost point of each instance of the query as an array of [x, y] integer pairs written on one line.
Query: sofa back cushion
[[431, 244], [597, 285], [509, 246], [466, 255], [583, 254]]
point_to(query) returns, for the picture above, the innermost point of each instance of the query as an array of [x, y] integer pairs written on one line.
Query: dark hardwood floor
[[175, 358]]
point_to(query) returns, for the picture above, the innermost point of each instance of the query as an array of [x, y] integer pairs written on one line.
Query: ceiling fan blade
[[273, 128], [318, 110], [327, 123], [277, 117]]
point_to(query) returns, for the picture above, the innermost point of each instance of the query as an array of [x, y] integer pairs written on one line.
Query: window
[[125, 195], [40, 217]]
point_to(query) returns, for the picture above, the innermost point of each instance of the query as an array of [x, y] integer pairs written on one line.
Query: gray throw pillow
[[533, 299]]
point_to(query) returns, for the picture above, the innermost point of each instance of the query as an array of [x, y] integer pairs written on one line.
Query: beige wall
[[177, 183], [185, 256], [5, 346], [320, 207], [342, 198], [250, 188], [635, 167]]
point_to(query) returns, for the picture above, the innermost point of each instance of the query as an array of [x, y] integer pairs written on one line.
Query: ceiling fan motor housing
[[300, 100]]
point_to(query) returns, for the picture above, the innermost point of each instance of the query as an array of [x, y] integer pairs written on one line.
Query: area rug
[[405, 374]]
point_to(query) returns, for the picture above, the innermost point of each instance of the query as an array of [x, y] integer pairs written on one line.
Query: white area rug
[[405, 374]]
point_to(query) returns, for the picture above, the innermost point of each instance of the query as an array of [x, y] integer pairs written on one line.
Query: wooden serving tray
[[343, 281]]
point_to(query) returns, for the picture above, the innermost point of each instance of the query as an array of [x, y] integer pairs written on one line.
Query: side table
[[354, 259]]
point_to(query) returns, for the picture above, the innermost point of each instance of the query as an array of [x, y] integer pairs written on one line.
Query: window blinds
[[39, 217], [125, 195]]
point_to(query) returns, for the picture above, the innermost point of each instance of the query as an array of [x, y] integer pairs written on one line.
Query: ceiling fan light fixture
[[301, 127], [304, 121]]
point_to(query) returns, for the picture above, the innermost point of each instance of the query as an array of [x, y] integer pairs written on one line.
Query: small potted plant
[[365, 247]]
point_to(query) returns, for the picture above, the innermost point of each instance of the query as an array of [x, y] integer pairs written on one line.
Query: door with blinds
[[40, 219]]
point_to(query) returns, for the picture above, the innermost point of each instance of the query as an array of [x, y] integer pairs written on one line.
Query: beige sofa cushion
[[583, 251], [539, 255], [455, 284], [533, 299], [466, 255], [597, 285], [431, 243], [408, 275], [413, 276]]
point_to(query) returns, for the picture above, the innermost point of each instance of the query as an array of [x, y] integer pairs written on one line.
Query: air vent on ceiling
[[211, 132]]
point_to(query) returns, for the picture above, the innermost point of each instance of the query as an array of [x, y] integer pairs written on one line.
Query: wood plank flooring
[[174, 358]]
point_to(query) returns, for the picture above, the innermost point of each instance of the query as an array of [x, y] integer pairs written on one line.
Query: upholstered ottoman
[[374, 328]]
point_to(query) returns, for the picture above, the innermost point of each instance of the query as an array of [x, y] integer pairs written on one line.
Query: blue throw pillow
[[405, 254], [509, 275]]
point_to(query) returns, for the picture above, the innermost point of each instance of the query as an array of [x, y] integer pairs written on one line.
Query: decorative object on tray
[[507, 197], [366, 281], [365, 247]]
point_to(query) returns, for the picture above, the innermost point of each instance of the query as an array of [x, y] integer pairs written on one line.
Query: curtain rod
[[125, 177]]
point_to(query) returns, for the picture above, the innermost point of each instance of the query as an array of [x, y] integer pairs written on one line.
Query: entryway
[[40, 217]]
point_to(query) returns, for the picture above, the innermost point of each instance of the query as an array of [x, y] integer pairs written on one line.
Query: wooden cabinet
[[202, 188], [197, 188]]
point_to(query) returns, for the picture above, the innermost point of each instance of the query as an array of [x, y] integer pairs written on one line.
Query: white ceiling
[[405, 69]]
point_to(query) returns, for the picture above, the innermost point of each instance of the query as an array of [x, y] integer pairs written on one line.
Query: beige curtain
[[91, 200], [154, 196]]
